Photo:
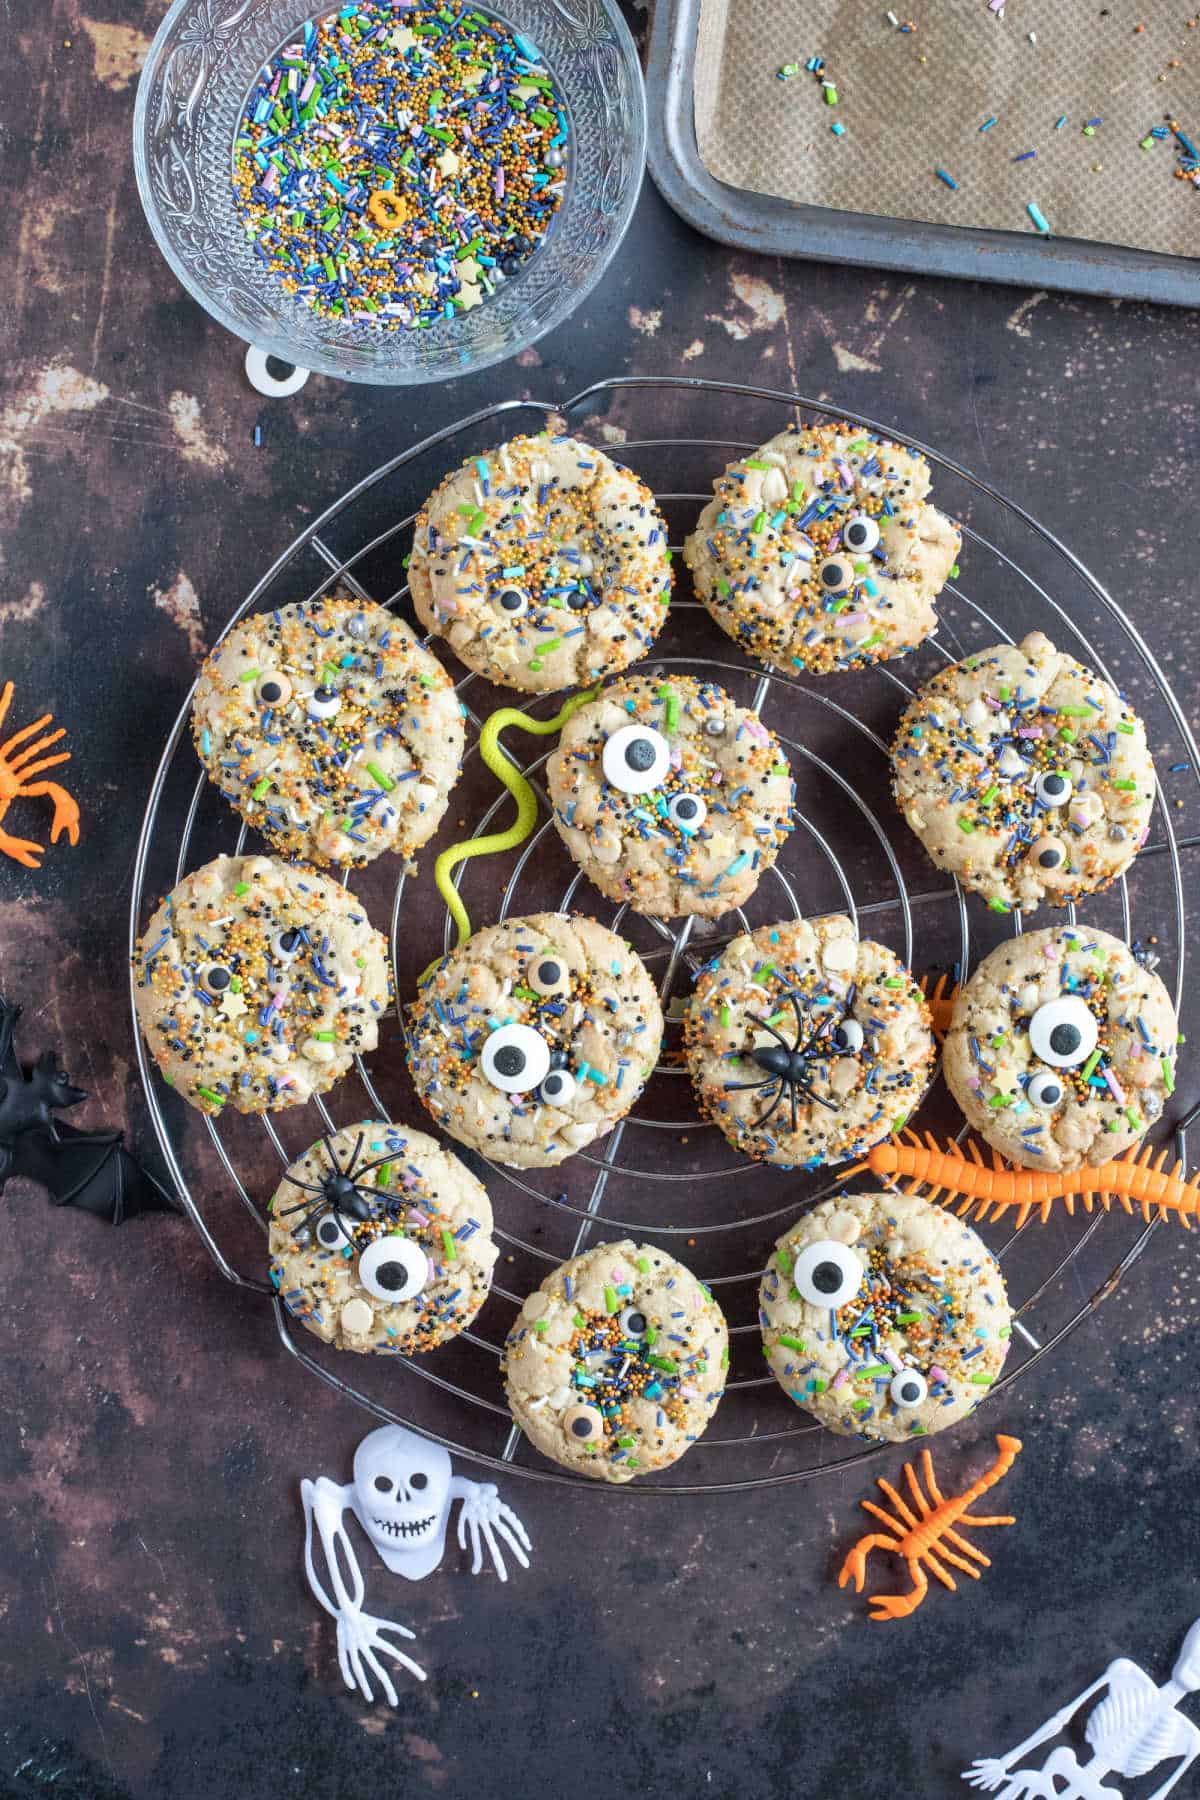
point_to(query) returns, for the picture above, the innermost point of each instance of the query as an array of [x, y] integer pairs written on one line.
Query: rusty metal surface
[[156, 1637]]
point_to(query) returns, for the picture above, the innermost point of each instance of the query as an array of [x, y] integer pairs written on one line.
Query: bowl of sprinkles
[[391, 191]]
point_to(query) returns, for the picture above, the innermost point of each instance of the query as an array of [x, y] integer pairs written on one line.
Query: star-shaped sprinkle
[[232, 1005]]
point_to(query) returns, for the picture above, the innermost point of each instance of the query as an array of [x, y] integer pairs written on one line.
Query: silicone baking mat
[[913, 102]]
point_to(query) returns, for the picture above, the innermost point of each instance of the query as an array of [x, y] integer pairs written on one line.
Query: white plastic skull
[[402, 1498]]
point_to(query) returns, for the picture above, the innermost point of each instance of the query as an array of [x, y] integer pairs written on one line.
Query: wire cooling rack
[[661, 1175]]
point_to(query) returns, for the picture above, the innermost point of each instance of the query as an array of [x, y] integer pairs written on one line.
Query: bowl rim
[[370, 374]]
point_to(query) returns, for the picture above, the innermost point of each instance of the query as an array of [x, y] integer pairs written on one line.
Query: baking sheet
[[911, 102]]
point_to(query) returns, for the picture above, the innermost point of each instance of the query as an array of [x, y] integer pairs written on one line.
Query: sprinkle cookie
[[1061, 1048], [381, 1241], [534, 1037], [331, 730], [806, 1045], [616, 1362], [671, 797], [821, 552], [543, 564], [256, 984], [884, 1316], [1024, 775]]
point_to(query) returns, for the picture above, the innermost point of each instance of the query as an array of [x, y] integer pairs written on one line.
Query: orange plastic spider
[[18, 761]]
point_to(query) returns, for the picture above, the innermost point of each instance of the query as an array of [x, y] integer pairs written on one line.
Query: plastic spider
[[787, 1066], [338, 1193]]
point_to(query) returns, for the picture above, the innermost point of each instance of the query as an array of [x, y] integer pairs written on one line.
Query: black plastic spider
[[787, 1066], [339, 1195]]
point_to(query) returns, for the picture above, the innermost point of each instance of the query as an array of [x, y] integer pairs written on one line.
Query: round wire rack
[[662, 1175]]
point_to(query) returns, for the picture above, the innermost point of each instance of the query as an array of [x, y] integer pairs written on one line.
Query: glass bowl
[[202, 65]]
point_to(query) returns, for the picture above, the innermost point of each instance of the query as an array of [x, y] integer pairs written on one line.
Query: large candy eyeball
[[827, 1274], [688, 811], [547, 975], [1049, 853], [272, 689], [835, 575], [583, 1424], [846, 1038], [1044, 1090], [515, 1059], [1063, 1033], [908, 1388], [633, 1323], [558, 1089], [324, 703], [1054, 788], [287, 944], [333, 1231], [393, 1268], [860, 533], [512, 602], [636, 759], [216, 978]]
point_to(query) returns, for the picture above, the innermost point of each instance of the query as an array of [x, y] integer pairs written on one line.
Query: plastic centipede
[[973, 1188]]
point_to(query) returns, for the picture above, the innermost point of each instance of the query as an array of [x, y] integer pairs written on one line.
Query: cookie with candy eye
[[670, 796], [616, 1362], [822, 552], [805, 1044], [884, 1316], [1061, 1048], [256, 984], [1024, 775], [543, 564], [330, 729], [381, 1241], [534, 1037]]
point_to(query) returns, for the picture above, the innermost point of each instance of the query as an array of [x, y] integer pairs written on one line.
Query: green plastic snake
[[512, 778]]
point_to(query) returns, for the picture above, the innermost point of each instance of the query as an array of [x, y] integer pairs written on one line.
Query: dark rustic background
[[156, 1638]]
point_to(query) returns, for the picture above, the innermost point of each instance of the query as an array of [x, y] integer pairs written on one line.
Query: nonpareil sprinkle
[[396, 167]]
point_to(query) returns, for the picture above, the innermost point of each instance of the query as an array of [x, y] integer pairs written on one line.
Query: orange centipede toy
[[973, 1188]]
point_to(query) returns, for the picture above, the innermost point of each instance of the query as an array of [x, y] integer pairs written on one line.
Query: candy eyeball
[[860, 533], [846, 1038], [512, 602], [687, 811], [273, 690], [1044, 1090], [635, 759], [287, 945], [633, 1323], [324, 703], [547, 975], [908, 1388], [827, 1274], [333, 1231], [216, 978], [393, 1268], [835, 575], [1049, 853], [1063, 1032], [515, 1059], [1054, 788], [558, 1089], [583, 1424]]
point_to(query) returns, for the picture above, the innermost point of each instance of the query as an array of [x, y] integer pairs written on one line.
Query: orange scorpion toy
[[924, 1541], [1141, 1182], [16, 767]]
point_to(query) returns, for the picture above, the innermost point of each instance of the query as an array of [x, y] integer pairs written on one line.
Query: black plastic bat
[[91, 1170]]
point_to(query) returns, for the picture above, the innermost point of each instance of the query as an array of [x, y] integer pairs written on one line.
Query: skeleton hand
[[358, 1640], [485, 1516], [988, 1773]]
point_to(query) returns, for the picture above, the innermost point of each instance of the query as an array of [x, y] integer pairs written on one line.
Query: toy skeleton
[[401, 1495], [1134, 1728]]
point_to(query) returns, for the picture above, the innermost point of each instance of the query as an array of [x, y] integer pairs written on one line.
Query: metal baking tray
[[824, 234]]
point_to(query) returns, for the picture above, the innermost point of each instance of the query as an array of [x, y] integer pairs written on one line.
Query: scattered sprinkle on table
[[1038, 217], [396, 161], [948, 179]]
